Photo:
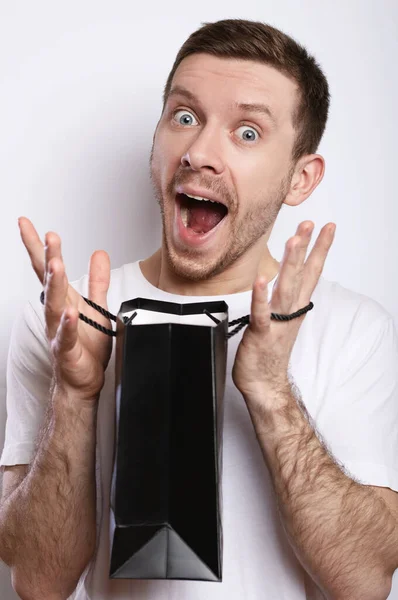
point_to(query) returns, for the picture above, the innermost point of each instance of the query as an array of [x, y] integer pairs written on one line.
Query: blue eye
[[184, 117], [249, 134]]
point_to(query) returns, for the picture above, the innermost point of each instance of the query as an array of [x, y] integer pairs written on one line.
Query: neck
[[239, 277]]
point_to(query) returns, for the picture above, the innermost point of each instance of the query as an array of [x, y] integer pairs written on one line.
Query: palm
[[82, 358], [96, 343], [247, 365], [263, 356]]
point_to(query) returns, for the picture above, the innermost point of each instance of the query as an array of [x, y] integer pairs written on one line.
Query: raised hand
[[262, 360], [79, 352]]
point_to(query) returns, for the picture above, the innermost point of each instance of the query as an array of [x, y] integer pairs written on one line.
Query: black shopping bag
[[166, 486]]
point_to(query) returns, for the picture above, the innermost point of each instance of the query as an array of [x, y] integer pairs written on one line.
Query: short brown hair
[[253, 40]]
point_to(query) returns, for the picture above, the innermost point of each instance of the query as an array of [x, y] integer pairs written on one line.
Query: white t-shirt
[[345, 364]]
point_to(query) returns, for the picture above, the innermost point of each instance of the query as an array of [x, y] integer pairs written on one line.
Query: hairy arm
[[47, 523], [342, 531]]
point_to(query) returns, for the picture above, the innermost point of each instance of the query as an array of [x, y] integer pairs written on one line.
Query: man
[[310, 433]]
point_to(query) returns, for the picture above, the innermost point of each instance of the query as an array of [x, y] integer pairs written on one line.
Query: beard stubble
[[245, 231]]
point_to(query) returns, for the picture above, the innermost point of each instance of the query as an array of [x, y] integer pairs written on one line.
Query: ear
[[308, 174]]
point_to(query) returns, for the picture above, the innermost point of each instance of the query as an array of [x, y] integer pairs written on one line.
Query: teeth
[[184, 216], [200, 198]]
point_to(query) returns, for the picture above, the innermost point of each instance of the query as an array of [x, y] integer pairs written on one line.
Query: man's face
[[212, 144]]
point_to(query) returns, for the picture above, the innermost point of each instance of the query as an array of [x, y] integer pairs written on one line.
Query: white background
[[80, 95]]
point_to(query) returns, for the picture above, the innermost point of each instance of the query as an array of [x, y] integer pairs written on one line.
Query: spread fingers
[[33, 245], [55, 295]]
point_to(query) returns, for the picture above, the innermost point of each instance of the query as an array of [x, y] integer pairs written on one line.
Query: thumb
[[68, 333], [99, 274], [260, 312]]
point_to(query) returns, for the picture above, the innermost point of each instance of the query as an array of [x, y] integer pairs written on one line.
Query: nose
[[204, 152]]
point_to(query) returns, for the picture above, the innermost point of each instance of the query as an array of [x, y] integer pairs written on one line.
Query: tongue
[[202, 219]]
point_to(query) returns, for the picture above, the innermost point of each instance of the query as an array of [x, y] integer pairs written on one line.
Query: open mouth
[[200, 215]]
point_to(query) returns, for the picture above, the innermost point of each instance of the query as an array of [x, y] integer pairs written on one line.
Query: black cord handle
[[241, 322]]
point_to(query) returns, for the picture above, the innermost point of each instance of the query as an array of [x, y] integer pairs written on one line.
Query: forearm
[[341, 531], [47, 525]]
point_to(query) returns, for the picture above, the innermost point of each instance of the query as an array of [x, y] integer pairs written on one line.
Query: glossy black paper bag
[[166, 488]]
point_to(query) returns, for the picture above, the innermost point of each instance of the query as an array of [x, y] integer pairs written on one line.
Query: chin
[[192, 268]]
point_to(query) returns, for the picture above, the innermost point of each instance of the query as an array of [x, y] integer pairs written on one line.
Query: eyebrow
[[257, 107]]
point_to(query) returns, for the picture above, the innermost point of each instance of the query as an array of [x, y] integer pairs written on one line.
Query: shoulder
[[342, 321], [342, 306]]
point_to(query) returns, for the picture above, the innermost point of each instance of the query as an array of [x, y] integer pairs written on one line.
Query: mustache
[[216, 186]]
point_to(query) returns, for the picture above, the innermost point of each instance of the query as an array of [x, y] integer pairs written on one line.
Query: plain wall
[[80, 95]]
